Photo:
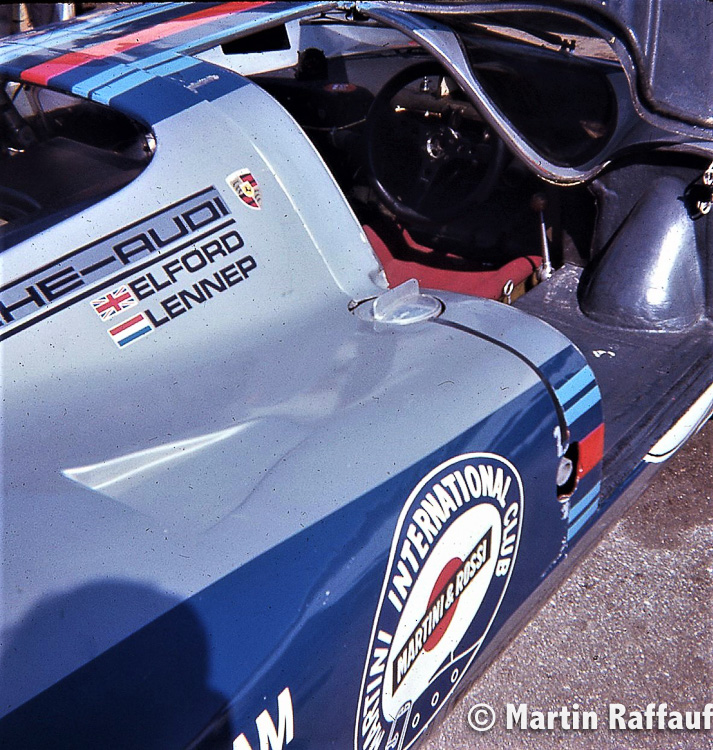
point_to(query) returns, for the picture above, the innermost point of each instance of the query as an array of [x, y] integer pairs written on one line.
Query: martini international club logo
[[450, 563]]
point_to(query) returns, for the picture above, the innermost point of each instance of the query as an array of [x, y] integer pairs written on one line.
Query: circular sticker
[[450, 563]]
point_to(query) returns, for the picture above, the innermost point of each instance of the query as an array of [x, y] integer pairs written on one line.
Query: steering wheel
[[15, 204], [429, 154]]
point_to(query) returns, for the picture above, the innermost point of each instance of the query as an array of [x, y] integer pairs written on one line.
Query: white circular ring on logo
[[471, 511], [481, 717]]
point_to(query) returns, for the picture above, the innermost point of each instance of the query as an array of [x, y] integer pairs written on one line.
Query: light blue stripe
[[175, 65], [88, 85], [136, 335], [574, 530], [584, 404], [574, 385], [49, 40], [157, 59], [582, 503], [95, 87], [85, 87], [105, 94]]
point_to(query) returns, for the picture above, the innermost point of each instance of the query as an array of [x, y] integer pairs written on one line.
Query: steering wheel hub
[[442, 143]]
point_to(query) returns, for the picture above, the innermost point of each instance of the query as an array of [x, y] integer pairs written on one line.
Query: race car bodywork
[[254, 497]]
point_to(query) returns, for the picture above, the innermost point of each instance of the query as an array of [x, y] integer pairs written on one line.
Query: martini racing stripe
[[87, 86], [79, 28], [575, 385], [43, 73], [165, 63], [578, 394], [74, 32], [141, 45], [16, 57], [584, 502], [126, 83], [14, 50], [122, 78], [576, 511], [583, 511], [583, 405], [576, 389], [591, 451]]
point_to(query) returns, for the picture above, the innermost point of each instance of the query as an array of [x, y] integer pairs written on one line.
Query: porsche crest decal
[[450, 563], [245, 186]]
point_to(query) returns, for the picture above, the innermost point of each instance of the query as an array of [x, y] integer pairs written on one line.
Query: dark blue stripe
[[14, 68], [214, 81], [91, 35], [155, 100], [164, 97], [563, 366]]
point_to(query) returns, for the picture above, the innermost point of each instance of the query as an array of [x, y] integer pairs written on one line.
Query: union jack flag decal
[[111, 304]]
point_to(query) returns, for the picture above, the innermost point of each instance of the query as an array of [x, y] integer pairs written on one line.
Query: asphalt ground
[[632, 625]]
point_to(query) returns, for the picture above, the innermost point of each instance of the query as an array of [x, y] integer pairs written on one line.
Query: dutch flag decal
[[130, 330]]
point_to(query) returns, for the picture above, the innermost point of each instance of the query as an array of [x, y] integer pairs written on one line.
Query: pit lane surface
[[632, 625]]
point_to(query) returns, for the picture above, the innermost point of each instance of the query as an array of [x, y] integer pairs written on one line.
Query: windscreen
[[60, 154]]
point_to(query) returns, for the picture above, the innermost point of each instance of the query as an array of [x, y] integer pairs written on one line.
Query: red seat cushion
[[488, 283]]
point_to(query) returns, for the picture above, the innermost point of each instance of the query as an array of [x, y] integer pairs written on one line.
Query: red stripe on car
[[591, 450]]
